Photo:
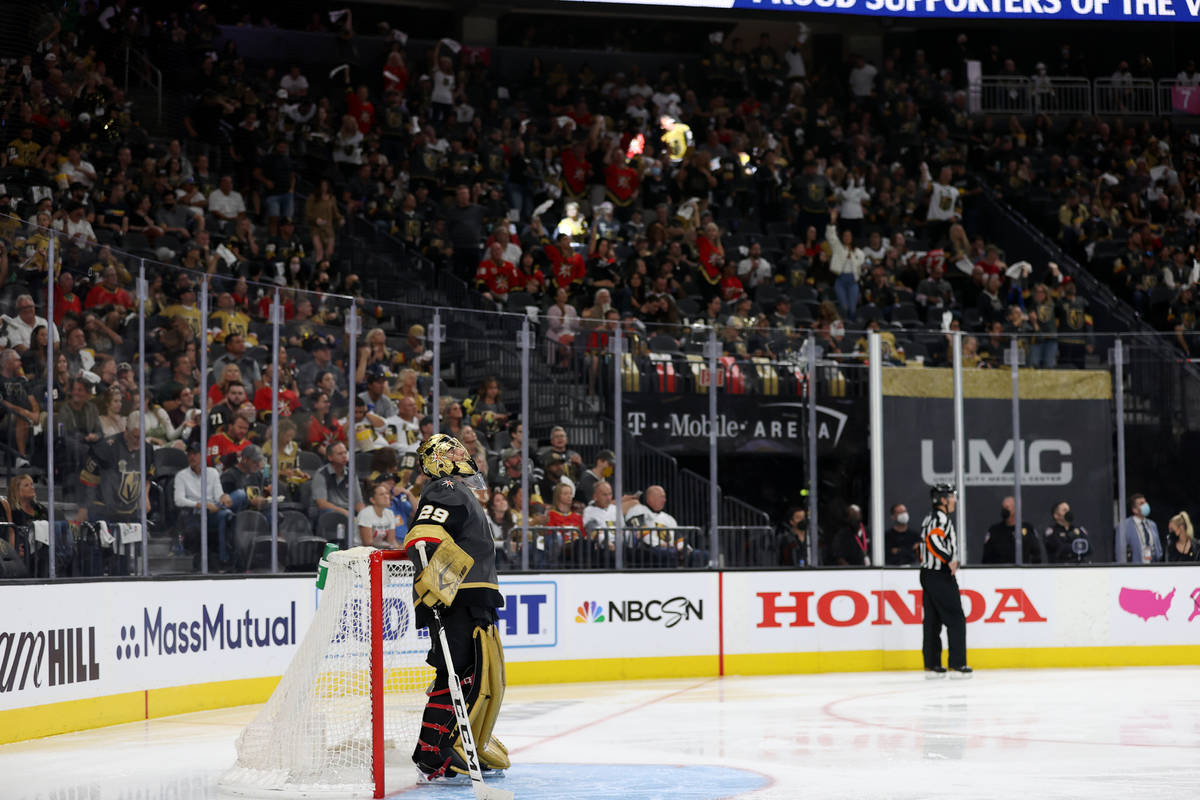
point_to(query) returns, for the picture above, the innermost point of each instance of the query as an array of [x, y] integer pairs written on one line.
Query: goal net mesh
[[314, 735]]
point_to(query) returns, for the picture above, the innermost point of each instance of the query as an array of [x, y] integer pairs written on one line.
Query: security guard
[[1066, 542], [941, 602], [457, 574], [998, 545]]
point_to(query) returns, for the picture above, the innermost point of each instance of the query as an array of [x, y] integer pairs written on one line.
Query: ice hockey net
[[350, 703]]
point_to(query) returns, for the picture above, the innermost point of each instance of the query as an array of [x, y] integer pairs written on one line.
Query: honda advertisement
[[881, 611]]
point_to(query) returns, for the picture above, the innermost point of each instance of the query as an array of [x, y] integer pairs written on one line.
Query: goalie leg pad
[[492, 752], [485, 707]]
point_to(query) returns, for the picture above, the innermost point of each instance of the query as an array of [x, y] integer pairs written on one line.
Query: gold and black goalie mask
[[442, 456]]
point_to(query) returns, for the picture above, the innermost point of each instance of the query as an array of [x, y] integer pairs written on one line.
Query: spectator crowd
[[1122, 199], [743, 192]]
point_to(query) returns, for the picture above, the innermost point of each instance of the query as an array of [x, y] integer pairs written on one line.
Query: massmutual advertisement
[[1066, 444], [1051, 10]]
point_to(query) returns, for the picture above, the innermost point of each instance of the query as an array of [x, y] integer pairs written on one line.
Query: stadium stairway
[[164, 560], [1162, 390]]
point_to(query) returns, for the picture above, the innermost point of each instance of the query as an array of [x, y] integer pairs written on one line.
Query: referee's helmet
[[939, 492]]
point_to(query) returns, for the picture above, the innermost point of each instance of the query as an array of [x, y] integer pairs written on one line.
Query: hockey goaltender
[[458, 579]]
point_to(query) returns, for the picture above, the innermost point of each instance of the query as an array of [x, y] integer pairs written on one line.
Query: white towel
[[226, 255], [106, 537], [1019, 270], [130, 532], [41, 531]]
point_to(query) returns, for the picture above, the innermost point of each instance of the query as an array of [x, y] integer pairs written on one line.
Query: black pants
[[942, 606], [439, 728], [814, 219]]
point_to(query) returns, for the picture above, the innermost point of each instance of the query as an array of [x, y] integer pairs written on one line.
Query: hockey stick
[[482, 790]]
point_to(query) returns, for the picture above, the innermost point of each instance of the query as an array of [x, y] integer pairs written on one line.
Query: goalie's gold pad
[[492, 752], [447, 568]]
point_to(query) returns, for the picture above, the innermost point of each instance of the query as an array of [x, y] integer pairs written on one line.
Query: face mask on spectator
[[1144, 508], [902, 518], [1069, 517]]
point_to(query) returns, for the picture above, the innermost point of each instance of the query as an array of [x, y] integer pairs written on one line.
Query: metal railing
[[1068, 96], [756, 546], [741, 513], [1125, 96], [687, 491], [1064, 96], [665, 548], [1001, 94], [554, 547], [558, 547], [688, 547], [138, 63]]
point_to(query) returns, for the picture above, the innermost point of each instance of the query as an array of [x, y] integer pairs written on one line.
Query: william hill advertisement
[[75, 641]]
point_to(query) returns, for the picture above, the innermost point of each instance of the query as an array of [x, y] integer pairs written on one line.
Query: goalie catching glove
[[437, 584]]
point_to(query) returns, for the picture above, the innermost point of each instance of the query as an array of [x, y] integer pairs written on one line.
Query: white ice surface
[[1014, 734]]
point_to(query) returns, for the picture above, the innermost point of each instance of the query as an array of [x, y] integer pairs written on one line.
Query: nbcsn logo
[[589, 611]]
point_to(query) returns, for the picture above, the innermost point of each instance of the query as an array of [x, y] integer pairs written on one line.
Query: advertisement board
[[80, 655], [654, 623], [863, 619], [72, 641], [746, 425], [873, 613], [1152, 606], [1066, 446]]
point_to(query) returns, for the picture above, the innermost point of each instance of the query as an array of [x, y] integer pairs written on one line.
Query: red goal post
[[376, 571], [344, 719]]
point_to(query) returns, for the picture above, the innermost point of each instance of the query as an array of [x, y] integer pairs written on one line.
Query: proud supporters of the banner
[[998, 9]]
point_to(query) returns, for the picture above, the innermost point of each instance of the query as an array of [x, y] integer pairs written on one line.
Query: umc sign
[[1046, 462]]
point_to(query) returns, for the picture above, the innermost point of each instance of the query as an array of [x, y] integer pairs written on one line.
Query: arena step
[[169, 564]]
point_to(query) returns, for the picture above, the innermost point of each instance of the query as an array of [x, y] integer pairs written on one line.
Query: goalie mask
[[442, 456]]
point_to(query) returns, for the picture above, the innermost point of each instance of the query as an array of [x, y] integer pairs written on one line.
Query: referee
[[941, 603]]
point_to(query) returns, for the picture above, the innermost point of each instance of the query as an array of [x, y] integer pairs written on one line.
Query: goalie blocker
[[460, 579]]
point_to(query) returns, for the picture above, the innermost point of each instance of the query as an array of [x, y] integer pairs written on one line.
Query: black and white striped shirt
[[937, 541]]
